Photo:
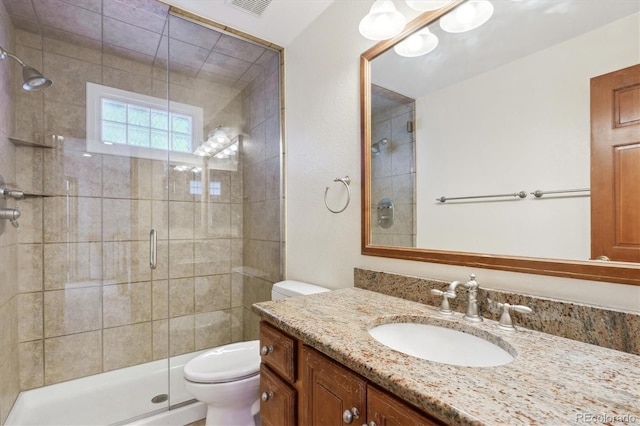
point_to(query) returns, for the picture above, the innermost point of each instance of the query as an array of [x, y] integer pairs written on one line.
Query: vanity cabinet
[[301, 386]]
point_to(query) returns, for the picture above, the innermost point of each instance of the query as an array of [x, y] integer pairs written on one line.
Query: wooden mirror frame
[[615, 272]]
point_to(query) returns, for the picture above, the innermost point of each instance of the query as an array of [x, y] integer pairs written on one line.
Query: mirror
[[484, 120]]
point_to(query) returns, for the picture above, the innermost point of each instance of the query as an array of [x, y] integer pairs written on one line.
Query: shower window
[[120, 122]]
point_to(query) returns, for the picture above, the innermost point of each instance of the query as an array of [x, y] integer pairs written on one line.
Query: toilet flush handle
[[265, 350]]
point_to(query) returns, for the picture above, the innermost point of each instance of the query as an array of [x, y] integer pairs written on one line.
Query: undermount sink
[[440, 344]]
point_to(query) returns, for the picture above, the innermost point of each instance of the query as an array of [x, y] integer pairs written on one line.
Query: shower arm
[[4, 54]]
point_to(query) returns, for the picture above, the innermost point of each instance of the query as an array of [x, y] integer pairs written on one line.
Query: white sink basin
[[440, 344]]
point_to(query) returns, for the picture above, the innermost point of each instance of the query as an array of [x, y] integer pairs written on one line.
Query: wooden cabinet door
[[278, 400], [385, 410], [615, 165], [330, 390]]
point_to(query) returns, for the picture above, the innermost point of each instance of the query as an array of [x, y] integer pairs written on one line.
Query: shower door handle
[[153, 248]]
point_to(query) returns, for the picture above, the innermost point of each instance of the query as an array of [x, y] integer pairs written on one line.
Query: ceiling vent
[[254, 7]]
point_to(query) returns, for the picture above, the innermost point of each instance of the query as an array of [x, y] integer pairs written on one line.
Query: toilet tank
[[290, 288]]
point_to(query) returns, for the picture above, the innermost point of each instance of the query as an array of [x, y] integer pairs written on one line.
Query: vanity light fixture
[[382, 22], [217, 141], [426, 5], [418, 44], [467, 16]]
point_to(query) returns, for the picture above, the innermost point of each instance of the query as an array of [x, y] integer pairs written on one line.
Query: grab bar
[[153, 252], [539, 193], [521, 194]]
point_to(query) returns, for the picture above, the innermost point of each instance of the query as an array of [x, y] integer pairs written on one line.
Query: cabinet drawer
[[278, 351], [385, 410], [278, 400]]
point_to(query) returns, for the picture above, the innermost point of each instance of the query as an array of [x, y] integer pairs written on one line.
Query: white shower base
[[119, 397]]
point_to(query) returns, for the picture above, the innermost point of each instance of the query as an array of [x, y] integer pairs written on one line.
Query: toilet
[[227, 378]]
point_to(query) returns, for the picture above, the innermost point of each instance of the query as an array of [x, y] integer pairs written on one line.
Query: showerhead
[[33, 79], [375, 148]]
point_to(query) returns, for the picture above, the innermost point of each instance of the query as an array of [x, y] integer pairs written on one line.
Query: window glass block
[[215, 188], [138, 116], [114, 132], [181, 124], [114, 111], [159, 120], [159, 139], [181, 143], [138, 136], [195, 187]]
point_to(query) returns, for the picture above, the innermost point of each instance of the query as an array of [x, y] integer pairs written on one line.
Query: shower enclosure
[[152, 168]]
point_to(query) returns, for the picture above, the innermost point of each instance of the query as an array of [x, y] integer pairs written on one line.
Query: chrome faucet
[[472, 314]]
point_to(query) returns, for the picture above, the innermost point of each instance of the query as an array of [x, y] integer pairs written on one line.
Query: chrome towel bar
[[539, 193], [521, 194]]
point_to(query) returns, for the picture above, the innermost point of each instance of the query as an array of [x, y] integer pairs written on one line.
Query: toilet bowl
[[227, 378]]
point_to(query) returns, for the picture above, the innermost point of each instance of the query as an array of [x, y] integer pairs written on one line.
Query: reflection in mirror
[[392, 161], [498, 110]]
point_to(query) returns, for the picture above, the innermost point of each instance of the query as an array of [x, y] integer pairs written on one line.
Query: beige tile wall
[[262, 159], [9, 269], [87, 300]]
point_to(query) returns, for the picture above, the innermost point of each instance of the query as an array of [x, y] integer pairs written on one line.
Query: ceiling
[[280, 23], [516, 29], [140, 30]]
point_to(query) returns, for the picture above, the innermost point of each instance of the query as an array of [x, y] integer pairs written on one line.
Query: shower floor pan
[[116, 397]]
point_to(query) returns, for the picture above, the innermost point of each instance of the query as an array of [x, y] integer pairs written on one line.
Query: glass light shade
[[382, 22], [219, 136], [417, 44], [426, 5], [467, 16]]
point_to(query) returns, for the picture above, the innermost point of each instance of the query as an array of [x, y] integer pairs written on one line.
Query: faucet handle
[[444, 309], [505, 318]]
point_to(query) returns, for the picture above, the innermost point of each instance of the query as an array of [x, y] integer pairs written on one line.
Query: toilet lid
[[225, 363]]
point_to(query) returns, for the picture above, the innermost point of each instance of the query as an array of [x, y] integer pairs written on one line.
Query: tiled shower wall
[[263, 252], [9, 380], [393, 171], [84, 279]]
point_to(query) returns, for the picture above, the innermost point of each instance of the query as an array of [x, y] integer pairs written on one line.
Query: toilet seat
[[224, 364]]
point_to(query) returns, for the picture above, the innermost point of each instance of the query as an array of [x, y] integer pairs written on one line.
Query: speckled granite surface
[[589, 324], [552, 381]]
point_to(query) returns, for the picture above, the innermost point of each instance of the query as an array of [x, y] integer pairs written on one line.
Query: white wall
[[322, 129], [534, 133]]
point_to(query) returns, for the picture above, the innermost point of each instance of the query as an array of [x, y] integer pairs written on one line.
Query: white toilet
[[227, 378]]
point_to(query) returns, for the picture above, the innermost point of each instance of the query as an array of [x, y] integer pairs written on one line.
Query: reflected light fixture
[[217, 141], [417, 44], [382, 22], [467, 16], [426, 5], [32, 79]]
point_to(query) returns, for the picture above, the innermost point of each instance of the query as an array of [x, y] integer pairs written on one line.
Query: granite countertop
[[552, 381]]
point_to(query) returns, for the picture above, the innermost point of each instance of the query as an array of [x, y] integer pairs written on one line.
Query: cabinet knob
[[265, 350], [266, 396], [349, 415]]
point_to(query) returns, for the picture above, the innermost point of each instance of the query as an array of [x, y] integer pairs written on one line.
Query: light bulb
[[465, 13], [418, 44], [382, 22], [468, 16]]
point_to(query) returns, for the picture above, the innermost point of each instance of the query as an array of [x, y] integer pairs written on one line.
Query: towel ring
[[346, 181]]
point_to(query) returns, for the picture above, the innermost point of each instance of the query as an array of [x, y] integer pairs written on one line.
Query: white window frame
[[97, 92]]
